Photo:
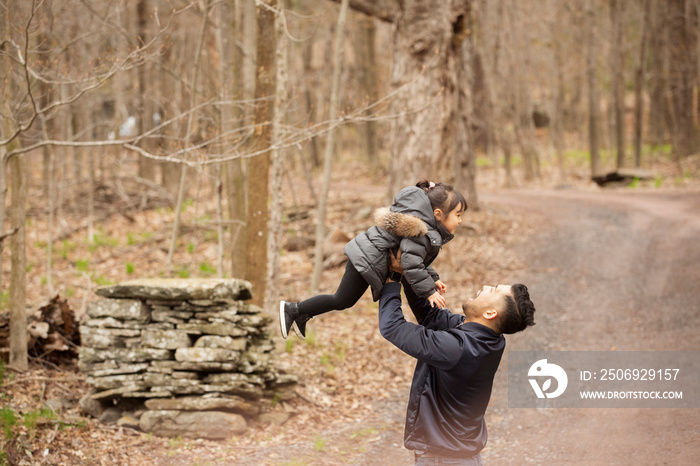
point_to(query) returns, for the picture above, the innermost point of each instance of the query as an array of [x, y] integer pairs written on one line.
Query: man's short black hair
[[519, 311]]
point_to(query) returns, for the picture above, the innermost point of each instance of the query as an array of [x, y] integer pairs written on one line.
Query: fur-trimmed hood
[[404, 225]]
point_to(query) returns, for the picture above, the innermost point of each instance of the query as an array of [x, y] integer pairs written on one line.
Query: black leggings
[[352, 287]]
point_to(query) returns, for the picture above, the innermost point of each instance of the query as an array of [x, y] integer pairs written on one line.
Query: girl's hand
[[441, 287], [437, 300]]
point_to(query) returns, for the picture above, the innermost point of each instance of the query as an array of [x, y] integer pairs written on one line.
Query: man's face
[[488, 297]]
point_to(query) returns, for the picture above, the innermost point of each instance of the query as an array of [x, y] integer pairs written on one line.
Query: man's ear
[[490, 314]]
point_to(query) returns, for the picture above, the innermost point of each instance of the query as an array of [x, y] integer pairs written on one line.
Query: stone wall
[[179, 357]]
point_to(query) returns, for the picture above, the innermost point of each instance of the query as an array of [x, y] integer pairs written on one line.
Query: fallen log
[[623, 176]]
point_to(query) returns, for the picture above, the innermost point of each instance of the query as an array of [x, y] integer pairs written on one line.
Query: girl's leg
[[351, 288]]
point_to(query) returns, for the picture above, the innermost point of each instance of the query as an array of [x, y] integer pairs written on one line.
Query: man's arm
[[429, 316], [438, 348], [426, 315]]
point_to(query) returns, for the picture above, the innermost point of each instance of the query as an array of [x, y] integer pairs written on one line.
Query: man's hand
[[441, 287], [396, 262], [436, 299]]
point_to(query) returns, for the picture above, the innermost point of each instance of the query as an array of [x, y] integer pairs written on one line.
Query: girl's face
[[450, 221]]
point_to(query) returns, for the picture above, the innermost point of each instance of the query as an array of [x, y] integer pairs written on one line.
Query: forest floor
[[582, 251]]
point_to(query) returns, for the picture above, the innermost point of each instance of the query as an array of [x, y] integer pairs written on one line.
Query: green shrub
[[8, 419], [82, 265]]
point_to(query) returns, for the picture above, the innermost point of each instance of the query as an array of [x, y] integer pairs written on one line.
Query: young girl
[[420, 221]]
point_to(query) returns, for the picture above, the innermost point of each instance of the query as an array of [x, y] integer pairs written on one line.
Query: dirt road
[[607, 270], [610, 270]]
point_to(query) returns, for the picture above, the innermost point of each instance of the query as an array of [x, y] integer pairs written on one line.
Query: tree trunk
[[188, 135], [274, 244], [6, 123], [524, 128], [330, 145], [249, 69], [618, 64], [259, 166], [593, 108], [425, 62], [657, 76], [682, 76], [639, 85], [143, 116], [18, 219], [369, 84], [311, 106], [231, 82], [464, 154], [557, 120]]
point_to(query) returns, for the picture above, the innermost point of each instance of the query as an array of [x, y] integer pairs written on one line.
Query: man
[[458, 356]]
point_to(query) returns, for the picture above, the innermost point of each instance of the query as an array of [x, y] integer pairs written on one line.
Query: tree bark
[[188, 135], [143, 116], [657, 75], [682, 76], [6, 123], [618, 65], [559, 97], [18, 219], [274, 244], [464, 154], [259, 166], [593, 108], [368, 79], [330, 146], [385, 10], [639, 84], [242, 69], [425, 62]]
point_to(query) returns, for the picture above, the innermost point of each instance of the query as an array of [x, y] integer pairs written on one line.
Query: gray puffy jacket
[[410, 225]]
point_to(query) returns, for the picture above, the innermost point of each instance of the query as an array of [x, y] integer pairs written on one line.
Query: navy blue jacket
[[453, 378]]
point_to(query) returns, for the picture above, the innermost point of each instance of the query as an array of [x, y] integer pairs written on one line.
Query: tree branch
[[385, 10], [6, 235]]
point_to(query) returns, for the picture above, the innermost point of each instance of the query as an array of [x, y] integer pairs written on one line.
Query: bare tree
[[188, 134], [225, 40], [368, 79], [559, 98], [424, 55], [682, 76], [243, 57], [144, 112], [593, 105], [259, 166], [18, 282], [330, 146], [277, 158], [658, 57], [618, 85], [464, 157], [644, 24]]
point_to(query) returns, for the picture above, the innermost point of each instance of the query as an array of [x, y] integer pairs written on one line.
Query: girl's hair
[[443, 196]]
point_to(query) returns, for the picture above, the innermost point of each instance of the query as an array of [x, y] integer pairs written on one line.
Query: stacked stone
[[192, 350]]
